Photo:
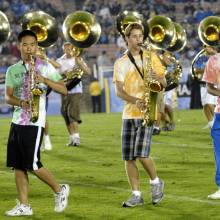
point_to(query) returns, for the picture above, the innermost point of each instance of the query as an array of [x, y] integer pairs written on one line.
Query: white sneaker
[[215, 195], [19, 210], [76, 141], [47, 143], [61, 198]]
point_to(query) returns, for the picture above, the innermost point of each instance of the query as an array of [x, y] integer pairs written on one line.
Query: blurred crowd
[[187, 13]]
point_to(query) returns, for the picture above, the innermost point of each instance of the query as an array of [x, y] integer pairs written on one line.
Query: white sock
[[155, 181], [76, 135], [47, 136], [210, 123], [136, 193]]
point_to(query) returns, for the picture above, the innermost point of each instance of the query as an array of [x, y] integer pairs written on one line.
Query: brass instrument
[[81, 29], [127, 17], [174, 71], [151, 87], [199, 62], [180, 39], [35, 92], [46, 29], [43, 25], [75, 73], [208, 31], [4, 28], [162, 32], [169, 36]]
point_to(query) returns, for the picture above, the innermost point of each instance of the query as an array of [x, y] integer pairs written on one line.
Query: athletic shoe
[[76, 141], [157, 192], [70, 143], [61, 198], [20, 210], [171, 127], [133, 201], [215, 195], [206, 126], [47, 143], [156, 131]]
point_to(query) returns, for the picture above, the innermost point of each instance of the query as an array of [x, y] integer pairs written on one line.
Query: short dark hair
[[25, 33], [132, 26]]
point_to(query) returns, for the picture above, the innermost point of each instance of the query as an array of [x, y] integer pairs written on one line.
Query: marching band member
[[25, 137], [136, 137], [70, 106]]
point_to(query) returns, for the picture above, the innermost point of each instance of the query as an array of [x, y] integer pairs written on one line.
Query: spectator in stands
[[103, 59], [95, 93]]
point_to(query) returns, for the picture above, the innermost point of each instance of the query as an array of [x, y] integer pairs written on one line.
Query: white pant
[[207, 98]]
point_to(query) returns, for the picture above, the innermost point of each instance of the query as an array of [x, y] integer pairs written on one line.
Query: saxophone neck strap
[[131, 58]]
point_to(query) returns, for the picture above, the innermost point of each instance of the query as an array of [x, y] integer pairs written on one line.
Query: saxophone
[[35, 92], [151, 88]]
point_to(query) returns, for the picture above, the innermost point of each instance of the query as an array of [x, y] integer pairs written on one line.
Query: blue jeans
[[215, 133]]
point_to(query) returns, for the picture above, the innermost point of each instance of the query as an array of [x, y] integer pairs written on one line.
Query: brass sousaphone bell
[[127, 17], [81, 29], [208, 31], [4, 28], [43, 25], [162, 32]]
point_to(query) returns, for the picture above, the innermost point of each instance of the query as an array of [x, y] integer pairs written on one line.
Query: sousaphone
[[4, 28], [43, 25]]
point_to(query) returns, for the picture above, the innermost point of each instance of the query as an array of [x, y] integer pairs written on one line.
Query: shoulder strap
[[133, 61]]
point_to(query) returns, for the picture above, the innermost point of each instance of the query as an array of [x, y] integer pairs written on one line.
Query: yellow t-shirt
[[95, 88], [126, 72]]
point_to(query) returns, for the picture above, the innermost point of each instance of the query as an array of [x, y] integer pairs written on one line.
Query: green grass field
[[95, 172]]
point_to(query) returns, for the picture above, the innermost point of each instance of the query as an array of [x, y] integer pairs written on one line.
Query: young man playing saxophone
[[136, 137], [25, 137]]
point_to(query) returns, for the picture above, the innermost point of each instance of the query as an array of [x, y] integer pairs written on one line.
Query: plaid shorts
[[136, 139]]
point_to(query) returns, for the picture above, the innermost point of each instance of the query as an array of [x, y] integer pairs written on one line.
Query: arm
[[12, 100], [53, 62], [81, 63], [57, 86], [212, 90], [120, 92]]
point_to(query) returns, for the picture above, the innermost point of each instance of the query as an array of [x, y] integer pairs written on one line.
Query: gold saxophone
[[35, 92], [151, 88]]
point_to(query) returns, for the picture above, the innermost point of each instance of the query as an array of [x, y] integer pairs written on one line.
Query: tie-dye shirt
[[126, 72], [212, 75], [17, 77]]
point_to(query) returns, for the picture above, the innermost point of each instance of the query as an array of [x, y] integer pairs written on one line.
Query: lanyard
[[130, 56]]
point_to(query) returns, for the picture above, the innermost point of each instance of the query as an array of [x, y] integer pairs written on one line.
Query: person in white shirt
[[70, 105]]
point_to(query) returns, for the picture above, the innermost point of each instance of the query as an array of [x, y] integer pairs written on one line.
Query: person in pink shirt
[[212, 78]]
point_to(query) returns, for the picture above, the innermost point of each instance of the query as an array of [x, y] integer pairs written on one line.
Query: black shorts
[[23, 149]]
